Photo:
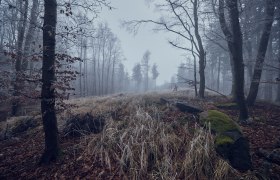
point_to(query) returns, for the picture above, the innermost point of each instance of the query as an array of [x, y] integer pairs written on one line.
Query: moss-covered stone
[[219, 122], [229, 141]]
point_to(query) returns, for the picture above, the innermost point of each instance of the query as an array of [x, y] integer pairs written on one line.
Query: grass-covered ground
[[143, 138]]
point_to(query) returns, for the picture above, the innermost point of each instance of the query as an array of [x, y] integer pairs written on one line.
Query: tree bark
[[202, 54], [268, 74], [113, 77], [219, 69], [21, 31], [254, 87], [278, 87], [234, 41], [80, 68], [51, 151], [30, 33]]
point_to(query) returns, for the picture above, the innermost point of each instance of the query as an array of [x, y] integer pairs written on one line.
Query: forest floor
[[136, 125]]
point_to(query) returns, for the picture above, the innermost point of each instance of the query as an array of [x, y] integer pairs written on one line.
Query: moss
[[227, 105], [223, 140], [219, 122]]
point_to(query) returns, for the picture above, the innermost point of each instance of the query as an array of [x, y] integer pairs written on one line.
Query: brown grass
[[145, 147]]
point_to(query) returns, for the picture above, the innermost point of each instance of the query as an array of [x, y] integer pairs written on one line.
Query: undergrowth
[[145, 147]]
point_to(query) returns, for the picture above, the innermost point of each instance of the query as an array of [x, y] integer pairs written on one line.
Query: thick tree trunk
[[234, 41], [278, 87], [51, 151], [254, 87]]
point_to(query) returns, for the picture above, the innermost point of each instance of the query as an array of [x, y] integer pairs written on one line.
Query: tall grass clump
[[142, 146]]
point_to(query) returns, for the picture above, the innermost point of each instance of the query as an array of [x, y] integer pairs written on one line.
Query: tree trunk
[[85, 69], [94, 71], [30, 33], [219, 69], [103, 64], [51, 151], [112, 78], [108, 69], [232, 93], [268, 74], [195, 78], [80, 67], [254, 87], [202, 54], [278, 87], [18, 85], [234, 41]]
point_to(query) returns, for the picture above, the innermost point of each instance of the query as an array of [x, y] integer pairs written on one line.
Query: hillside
[[136, 136]]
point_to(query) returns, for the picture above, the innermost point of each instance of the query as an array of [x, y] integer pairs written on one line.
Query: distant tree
[[155, 73], [137, 75], [146, 67], [121, 77], [181, 73], [184, 19]]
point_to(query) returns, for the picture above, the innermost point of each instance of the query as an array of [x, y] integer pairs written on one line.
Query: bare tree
[[234, 40], [270, 9], [184, 23]]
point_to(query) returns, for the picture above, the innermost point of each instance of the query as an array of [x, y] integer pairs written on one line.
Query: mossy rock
[[230, 143], [219, 122], [227, 105]]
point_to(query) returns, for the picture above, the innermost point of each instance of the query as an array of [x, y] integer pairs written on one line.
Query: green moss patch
[[223, 140], [219, 121], [227, 105]]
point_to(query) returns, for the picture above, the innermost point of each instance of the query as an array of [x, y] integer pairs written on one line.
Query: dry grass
[[145, 147]]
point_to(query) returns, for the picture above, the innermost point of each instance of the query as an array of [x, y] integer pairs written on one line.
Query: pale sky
[[164, 55]]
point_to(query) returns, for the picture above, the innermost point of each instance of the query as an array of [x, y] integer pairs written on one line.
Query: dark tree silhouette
[[51, 151], [234, 41]]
